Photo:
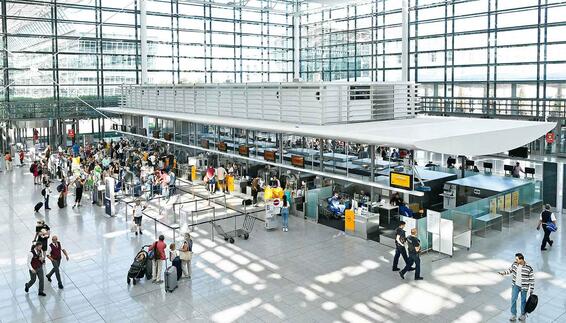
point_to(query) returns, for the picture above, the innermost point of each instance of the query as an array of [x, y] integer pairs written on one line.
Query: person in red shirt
[[21, 157], [157, 254]]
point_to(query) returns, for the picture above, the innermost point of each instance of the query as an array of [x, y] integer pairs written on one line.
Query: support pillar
[[404, 41], [371, 170], [143, 40]]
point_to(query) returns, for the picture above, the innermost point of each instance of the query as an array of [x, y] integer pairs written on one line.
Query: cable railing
[[520, 108]]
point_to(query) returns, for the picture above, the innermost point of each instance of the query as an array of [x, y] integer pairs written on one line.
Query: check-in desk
[[517, 213], [364, 225]]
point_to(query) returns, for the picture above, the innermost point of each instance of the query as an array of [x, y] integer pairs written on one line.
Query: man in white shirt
[[546, 219], [221, 175], [35, 262]]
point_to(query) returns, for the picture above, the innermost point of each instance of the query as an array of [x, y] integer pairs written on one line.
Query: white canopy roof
[[446, 135]]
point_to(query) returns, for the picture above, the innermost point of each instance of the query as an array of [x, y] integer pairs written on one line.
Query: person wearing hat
[[35, 261], [55, 255], [43, 237], [546, 217]]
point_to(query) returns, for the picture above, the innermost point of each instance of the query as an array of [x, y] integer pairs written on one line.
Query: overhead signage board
[[401, 180]]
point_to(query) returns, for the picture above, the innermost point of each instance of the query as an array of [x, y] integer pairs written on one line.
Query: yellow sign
[[193, 173], [350, 224], [515, 199], [230, 183], [501, 202], [401, 180], [493, 206], [508, 201]]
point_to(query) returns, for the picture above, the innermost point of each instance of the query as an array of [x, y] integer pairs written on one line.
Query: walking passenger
[[285, 213], [400, 250], [523, 281], [35, 261], [79, 185], [158, 258], [414, 250], [546, 220], [55, 255]]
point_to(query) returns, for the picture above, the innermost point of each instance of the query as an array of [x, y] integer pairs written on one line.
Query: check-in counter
[[361, 224]]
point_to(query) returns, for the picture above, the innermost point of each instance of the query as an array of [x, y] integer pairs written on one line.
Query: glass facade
[[497, 57], [63, 55]]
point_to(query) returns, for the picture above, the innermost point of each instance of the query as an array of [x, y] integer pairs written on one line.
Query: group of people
[[523, 282], [42, 250], [179, 258]]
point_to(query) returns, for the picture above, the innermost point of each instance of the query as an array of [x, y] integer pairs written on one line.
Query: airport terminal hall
[[300, 161]]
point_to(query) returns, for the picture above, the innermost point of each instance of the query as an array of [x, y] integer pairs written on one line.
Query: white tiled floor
[[309, 274]]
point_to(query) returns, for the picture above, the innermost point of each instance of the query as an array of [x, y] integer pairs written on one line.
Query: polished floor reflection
[[309, 274]]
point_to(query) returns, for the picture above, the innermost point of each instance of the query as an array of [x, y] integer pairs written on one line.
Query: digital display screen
[[244, 151], [269, 155], [298, 161]]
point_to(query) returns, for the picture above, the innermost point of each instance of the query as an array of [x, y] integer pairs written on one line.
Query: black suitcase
[[243, 186], [531, 304], [38, 206]]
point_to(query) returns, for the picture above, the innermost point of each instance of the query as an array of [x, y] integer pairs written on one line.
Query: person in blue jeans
[[523, 278], [285, 213]]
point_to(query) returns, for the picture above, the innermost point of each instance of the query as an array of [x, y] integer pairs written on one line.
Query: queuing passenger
[[400, 239], [221, 175], [137, 215], [158, 248], [414, 246], [186, 255], [523, 281], [547, 219], [517, 170], [35, 261], [55, 255], [79, 185], [21, 157], [255, 190]]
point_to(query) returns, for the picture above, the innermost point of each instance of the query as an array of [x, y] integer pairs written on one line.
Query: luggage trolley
[[243, 232]]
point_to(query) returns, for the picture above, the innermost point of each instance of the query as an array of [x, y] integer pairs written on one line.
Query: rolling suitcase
[[170, 279], [38, 206]]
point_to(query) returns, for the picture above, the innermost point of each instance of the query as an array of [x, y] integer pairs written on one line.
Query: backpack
[[43, 192], [60, 187], [154, 253]]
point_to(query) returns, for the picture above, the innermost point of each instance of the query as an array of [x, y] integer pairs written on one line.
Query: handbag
[[550, 226], [531, 303], [186, 255]]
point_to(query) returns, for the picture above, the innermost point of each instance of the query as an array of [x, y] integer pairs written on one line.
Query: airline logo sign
[[401, 180]]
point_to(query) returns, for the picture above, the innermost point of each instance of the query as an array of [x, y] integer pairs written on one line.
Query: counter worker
[[335, 203], [517, 170], [400, 250]]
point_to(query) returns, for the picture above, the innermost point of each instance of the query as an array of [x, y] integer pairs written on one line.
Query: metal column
[[371, 170], [404, 41], [143, 40]]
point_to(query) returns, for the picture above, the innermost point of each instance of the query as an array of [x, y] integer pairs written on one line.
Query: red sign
[[276, 202], [71, 133], [550, 138]]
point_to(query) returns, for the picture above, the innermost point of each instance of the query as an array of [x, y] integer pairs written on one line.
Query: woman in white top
[[138, 216], [186, 255]]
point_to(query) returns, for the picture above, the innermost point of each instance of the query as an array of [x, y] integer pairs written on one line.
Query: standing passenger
[[285, 213], [36, 259], [523, 281]]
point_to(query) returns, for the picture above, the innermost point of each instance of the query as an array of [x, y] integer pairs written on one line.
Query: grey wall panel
[[549, 183]]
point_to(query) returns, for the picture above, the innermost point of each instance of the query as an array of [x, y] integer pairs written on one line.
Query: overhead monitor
[[529, 170], [487, 165], [470, 163], [298, 161], [521, 152], [401, 180], [222, 146], [204, 143], [508, 168], [269, 155], [244, 151]]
